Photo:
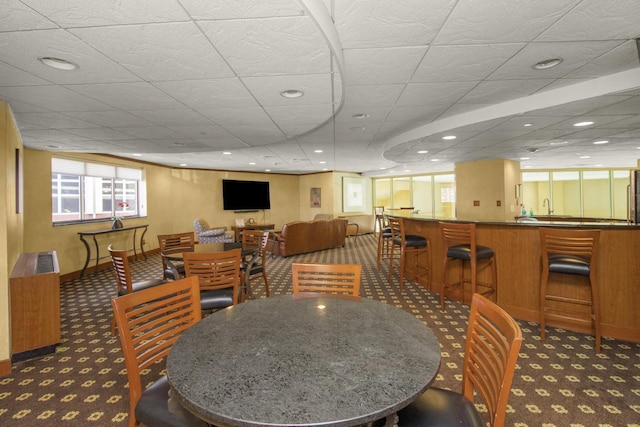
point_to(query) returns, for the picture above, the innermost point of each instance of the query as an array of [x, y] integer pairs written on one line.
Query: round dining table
[[292, 360]]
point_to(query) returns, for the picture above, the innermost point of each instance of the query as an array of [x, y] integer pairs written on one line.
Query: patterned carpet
[[559, 383]]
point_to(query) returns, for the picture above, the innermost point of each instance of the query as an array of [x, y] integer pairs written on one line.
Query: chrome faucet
[[547, 204]]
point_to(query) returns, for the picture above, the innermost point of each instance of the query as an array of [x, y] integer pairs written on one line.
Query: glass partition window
[[430, 195], [82, 191], [588, 194], [596, 194], [401, 193], [444, 190], [422, 190]]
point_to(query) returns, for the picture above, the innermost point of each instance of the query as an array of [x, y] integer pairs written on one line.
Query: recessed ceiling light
[[558, 142], [527, 125], [226, 153], [60, 64], [267, 170], [435, 160], [137, 155], [323, 163], [579, 124], [360, 116], [422, 152], [291, 93], [604, 141], [183, 164], [317, 151], [252, 163], [525, 158], [547, 63], [325, 169], [585, 157], [449, 137], [407, 170]]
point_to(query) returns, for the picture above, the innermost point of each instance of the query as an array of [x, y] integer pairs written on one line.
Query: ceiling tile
[[382, 66], [271, 46], [500, 21], [381, 23], [85, 13], [167, 51], [23, 48], [266, 90], [209, 93]]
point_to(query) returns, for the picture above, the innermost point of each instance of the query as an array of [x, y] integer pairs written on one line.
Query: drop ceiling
[[199, 82]]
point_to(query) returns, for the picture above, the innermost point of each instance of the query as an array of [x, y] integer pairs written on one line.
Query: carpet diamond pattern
[[561, 382]]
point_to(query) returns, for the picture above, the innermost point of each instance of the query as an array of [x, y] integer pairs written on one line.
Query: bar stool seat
[[460, 241], [571, 252], [409, 244]]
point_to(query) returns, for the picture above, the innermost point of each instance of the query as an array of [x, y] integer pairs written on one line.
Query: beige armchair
[[206, 234]]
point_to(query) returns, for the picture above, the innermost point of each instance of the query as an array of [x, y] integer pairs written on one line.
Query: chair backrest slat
[[149, 321], [215, 270], [326, 278], [491, 352]]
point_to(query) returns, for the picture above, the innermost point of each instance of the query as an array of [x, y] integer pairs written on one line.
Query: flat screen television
[[245, 195]]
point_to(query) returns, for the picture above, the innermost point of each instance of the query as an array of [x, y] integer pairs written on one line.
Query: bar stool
[[384, 238], [573, 252], [408, 244], [460, 243]]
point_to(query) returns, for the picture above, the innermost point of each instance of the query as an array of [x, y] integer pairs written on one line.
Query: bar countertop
[[541, 220]]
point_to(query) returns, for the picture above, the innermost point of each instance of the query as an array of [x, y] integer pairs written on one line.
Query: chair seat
[[180, 268], [411, 241], [144, 284], [569, 264], [464, 252], [155, 409], [216, 298], [440, 408]]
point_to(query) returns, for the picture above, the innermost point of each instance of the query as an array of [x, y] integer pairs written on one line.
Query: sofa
[[365, 224], [300, 237], [206, 234]]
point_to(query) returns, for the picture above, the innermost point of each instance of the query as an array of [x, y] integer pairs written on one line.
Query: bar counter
[[517, 249]]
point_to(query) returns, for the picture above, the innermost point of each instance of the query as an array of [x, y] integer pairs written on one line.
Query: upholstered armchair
[[207, 234]]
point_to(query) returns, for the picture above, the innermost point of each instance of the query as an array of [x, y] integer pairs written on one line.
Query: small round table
[[295, 361]]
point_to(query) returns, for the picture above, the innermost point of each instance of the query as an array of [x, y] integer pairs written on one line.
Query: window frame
[[89, 177]]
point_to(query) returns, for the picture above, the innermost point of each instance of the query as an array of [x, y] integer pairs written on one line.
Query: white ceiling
[[181, 81]]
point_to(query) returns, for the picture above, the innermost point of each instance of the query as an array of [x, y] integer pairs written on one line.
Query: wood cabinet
[[34, 286]]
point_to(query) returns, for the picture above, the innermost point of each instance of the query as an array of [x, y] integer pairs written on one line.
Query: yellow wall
[[330, 184], [11, 238], [175, 197], [487, 182]]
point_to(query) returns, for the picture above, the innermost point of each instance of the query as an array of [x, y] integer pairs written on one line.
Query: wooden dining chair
[[219, 277], [124, 282], [257, 240], [317, 278], [171, 244], [491, 352], [149, 322]]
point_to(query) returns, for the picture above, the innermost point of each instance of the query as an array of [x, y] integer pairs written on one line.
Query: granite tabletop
[[290, 361]]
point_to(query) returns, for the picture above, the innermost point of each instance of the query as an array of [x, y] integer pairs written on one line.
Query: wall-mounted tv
[[245, 195]]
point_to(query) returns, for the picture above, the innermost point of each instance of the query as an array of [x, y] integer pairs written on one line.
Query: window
[[433, 196], [82, 191], [588, 193]]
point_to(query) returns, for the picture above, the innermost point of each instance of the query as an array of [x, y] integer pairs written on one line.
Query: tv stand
[[238, 229]]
